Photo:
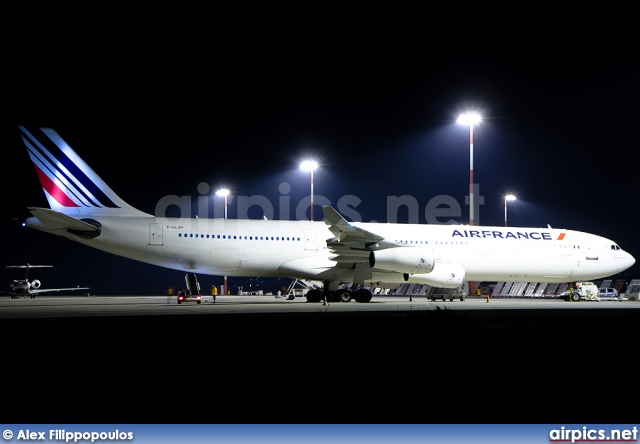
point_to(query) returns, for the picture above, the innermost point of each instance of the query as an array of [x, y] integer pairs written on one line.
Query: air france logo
[[495, 234]]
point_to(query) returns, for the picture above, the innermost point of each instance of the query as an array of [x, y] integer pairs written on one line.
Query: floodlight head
[[469, 119], [309, 165], [510, 197], [223, 192]]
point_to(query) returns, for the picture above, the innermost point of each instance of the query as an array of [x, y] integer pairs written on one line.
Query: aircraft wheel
[[314, 296], [344, 296], [362, 295]]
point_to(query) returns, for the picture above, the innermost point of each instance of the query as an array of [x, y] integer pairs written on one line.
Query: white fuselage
[[298, 249]]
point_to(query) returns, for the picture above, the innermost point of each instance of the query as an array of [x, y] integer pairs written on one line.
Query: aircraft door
[[310, 240], [155, 234]]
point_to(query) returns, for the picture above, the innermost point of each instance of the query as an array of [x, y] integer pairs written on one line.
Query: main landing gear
[[343, 295]]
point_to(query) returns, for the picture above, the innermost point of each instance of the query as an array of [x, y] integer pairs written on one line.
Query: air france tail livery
[[370, 255]]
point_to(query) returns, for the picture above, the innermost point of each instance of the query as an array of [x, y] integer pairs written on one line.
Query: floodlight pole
[[471, 204], [505, 211], [470, 119], [224, 192], [310, 165], [506, 198], [312, 194]]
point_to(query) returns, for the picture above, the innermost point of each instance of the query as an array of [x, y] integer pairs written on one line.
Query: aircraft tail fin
[[70, 185]]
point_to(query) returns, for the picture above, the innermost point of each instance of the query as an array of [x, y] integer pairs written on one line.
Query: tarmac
[[261, 359]]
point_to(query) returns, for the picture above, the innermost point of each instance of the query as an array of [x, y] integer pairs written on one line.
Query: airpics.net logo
[[586, 434], [441, 209]]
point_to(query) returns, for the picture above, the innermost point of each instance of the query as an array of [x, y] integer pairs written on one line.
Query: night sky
[[158, 105]]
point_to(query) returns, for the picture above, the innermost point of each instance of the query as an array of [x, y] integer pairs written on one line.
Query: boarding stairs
[[192, 284], [299, 287]]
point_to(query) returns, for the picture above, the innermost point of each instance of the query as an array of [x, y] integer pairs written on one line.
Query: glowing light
[[469, 119], [309, 165]]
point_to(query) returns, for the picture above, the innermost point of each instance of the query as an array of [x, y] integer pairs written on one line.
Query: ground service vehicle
[[447, 293], [582, 291], [193, 290]]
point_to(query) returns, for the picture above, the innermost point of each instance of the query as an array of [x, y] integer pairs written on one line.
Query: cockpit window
[[615, 247]]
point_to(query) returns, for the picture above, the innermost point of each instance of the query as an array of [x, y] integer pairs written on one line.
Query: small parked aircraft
[[24, 287]]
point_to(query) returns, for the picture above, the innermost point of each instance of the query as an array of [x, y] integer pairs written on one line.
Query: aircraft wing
[[352, 244], [45, 290], [53, 220], [42, 290]]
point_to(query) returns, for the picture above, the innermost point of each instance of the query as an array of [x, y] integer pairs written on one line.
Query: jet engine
[[403, 260], [35, 283], [444, 275], [19, 285]]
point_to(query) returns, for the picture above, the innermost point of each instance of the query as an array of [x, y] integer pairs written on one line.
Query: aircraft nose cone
[[627, 261]]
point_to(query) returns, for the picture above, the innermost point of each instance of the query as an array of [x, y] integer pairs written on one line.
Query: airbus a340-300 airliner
[[370, 255]]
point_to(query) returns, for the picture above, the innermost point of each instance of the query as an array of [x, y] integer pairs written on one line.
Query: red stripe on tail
[[54, 190]]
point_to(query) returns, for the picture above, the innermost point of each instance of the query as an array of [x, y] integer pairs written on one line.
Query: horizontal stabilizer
[[53, 220]]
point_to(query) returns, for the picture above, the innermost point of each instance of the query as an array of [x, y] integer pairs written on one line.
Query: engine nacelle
[[19, 285], [444, 275], [409, 260], [35, 283]]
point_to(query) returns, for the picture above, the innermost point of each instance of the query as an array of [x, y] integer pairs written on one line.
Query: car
[[608, 294]]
